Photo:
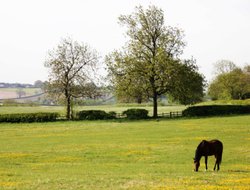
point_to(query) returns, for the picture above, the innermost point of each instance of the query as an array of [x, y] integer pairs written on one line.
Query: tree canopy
[[149, 64], [232, 83]]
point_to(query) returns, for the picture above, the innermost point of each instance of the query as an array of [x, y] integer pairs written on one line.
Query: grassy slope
[[127, 155]]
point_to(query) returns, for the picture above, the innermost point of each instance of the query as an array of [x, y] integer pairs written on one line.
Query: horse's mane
[[197, 152], [202, 143]]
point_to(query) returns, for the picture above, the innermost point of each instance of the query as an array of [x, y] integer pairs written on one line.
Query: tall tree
[[70, 71], [150, 59]]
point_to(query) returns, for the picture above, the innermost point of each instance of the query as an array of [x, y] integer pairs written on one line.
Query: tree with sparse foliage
[[71, 65], [150, 62], [38, 84], [20, 92], [224, 66]]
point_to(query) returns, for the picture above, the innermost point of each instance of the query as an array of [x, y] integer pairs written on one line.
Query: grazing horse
[[208, 148]]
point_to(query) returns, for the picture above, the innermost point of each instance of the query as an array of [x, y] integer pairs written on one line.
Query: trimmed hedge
[[28, 117], [94, 115], [216, 110], [136, 113]]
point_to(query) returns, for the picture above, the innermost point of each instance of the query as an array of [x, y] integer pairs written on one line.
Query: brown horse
[[208, 148]]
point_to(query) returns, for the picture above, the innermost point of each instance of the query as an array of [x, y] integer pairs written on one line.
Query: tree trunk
[[68, 105], [68, 115], [155, 97], [139, 99]]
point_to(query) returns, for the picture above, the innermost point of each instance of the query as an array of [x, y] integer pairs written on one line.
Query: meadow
[[147, 154]]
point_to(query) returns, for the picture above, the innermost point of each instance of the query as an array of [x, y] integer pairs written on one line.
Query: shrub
[[216, 110], [94, 115], [29, 117], [112, 115], [136, 113]]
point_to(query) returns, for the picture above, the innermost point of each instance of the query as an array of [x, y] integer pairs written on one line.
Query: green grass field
[[123, 155]]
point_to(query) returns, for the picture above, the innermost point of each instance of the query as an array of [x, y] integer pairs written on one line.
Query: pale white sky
[[214, 30]]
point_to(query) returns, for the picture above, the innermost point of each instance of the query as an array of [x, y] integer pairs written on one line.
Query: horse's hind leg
[[216, 163], [206, 162]]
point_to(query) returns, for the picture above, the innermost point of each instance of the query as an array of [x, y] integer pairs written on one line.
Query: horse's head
[[198, 154], [196, 165]]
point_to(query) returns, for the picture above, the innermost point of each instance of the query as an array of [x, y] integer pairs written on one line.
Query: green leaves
[[149, 64], [231, 83]]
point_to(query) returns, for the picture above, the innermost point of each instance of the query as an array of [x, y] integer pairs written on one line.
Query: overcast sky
[[214, 30]]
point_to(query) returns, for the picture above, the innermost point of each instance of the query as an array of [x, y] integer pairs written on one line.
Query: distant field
[[6, 93], [123, 155]]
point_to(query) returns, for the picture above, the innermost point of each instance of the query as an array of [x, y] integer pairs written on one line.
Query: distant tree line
[[15, 85], [37, 84], [230, 82]]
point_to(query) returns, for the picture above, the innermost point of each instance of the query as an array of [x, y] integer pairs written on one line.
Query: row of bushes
[[29, 117], [216, 110], [195, 111], [102, 115], [81, 115]]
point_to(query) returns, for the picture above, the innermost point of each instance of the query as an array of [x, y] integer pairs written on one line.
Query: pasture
[[123, 155]]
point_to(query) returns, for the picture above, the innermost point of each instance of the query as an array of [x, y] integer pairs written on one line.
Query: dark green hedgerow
[[95, 115], [216, 110], [28, 117], [136, 113]]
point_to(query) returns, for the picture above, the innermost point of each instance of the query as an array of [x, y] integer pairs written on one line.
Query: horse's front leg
[[206, 162]]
